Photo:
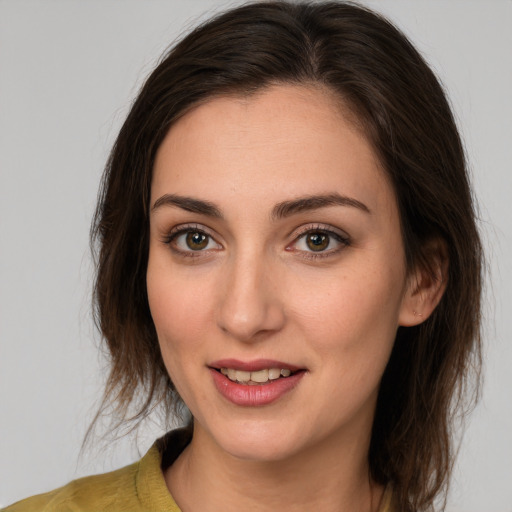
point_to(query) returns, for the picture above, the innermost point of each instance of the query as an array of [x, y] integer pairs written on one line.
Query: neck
[[334, 476]]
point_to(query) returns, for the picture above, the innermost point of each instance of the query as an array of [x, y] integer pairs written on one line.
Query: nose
[[250, 307]]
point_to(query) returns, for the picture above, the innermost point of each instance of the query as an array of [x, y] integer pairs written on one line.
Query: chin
[[257, 441], [259, 450]]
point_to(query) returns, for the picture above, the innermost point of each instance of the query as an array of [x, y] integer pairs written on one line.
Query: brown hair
[[372, 68]]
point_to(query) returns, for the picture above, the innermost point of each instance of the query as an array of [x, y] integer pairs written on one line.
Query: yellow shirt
[[139, 487]]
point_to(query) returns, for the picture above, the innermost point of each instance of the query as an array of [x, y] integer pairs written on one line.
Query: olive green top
[[139, 487]]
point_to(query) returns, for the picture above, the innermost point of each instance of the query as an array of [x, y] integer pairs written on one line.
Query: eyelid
[[182, 229], [192, 226], [326, 228], [340, 236]]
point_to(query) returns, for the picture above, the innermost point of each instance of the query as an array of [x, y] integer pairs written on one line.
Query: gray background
[[68, 72]]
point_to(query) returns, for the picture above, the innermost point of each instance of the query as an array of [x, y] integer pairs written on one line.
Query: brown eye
[[196, 240], [191, 241], [317, 241]]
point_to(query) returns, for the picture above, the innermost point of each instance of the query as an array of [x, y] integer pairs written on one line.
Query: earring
[[415, 313]]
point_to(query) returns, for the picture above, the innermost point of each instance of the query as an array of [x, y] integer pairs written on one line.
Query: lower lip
[[254, 395]]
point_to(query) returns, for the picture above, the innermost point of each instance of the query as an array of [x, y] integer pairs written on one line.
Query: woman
[[287, 244]]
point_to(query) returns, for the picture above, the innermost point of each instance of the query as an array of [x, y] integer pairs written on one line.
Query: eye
[[319, 242], [196, 241], [191, 239]]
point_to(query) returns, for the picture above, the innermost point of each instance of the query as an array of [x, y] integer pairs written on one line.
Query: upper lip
[[252, 366]]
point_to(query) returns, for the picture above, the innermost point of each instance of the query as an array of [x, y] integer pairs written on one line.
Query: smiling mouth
[[255, 383], [256, 378]]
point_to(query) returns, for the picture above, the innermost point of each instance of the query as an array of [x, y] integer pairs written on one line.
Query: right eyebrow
[[188, 204]]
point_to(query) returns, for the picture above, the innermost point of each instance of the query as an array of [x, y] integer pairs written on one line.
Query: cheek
[[179, 310], [355, 316]]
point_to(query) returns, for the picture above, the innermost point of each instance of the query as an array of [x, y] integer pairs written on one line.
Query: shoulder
[[139, 487], [99, 493], [387, 500]]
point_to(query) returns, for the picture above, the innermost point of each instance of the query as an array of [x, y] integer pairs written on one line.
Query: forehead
[[284, 140]]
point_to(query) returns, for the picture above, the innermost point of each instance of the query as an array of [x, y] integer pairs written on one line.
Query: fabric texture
[[139, 487]]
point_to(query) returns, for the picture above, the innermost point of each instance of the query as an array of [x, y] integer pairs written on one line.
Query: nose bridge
[[250, 304]]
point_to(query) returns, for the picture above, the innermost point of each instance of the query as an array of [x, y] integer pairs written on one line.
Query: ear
[[425, 284]]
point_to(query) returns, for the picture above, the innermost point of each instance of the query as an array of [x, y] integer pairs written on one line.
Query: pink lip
[[257, 395], [252, 366]]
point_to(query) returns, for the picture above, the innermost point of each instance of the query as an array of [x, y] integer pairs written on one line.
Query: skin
[[258, 291]]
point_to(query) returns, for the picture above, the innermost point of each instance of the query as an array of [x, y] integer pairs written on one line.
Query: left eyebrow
[[301, 204]]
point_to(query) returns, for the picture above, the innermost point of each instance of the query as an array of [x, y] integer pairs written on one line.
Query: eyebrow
[[188, 204], [302, 204], [280, 210]]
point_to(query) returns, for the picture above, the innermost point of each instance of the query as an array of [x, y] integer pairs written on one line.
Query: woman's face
[[276, 258]]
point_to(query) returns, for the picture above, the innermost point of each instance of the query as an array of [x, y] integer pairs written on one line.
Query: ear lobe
[[426, 284]]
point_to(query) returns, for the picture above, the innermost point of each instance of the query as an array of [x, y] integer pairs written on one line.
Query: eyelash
[[343, 240], [182, 230]]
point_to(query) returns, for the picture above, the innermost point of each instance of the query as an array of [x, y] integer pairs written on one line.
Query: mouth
[[255, 378], [255, 383]]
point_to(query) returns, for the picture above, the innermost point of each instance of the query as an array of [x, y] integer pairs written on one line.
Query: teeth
[[259, 377], [274, 373], [242, 376]]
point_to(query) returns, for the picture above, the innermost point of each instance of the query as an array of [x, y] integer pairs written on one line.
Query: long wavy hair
[[397, 100]]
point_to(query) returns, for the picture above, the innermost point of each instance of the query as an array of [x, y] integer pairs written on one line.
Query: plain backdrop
[[68, 72]]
